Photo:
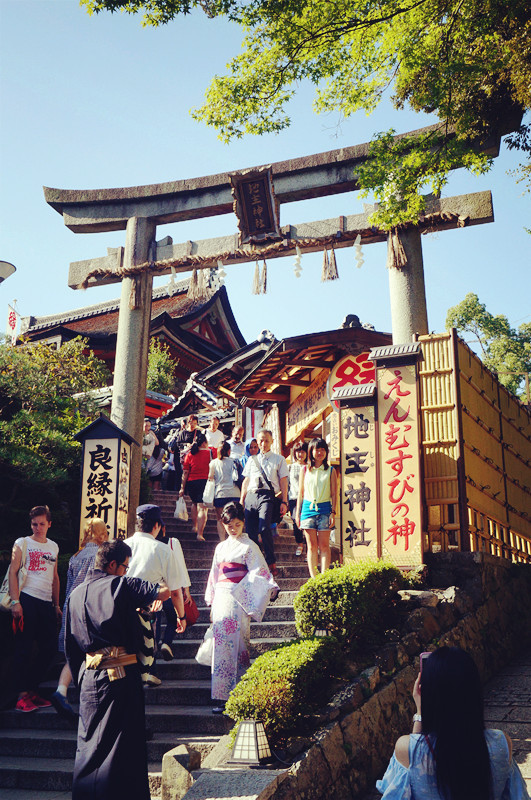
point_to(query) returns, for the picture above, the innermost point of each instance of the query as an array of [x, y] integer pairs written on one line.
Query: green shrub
[[285, 684], [349, 601]]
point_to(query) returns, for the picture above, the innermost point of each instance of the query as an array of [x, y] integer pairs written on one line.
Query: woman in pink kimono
[[239, 588]]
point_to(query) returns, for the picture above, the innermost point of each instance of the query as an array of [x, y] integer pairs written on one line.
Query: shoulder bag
[[276, 517], [5, 597]]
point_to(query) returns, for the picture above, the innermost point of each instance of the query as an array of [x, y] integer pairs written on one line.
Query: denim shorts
[[319, 522]]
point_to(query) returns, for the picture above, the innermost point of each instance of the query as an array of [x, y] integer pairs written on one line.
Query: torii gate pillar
[[407, 291], [132, 345]]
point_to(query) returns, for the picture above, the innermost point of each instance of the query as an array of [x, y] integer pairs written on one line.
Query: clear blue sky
[[95, 102]]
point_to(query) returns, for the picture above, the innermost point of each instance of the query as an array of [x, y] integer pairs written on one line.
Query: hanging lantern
[[221, 274]]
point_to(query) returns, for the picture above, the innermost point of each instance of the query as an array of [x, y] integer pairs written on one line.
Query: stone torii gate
[[138, 211]]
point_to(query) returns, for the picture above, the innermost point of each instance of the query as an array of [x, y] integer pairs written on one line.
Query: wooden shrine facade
[[434, 453]]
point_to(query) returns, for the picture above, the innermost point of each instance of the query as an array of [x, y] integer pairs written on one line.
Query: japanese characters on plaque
[[99, 482], [123, 490], [335, 438], [306, 407], [255, 205], [359, 482], [401, 515], [350, 371]]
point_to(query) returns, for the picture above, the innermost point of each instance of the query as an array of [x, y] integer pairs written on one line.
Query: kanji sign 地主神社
[[359, 483]]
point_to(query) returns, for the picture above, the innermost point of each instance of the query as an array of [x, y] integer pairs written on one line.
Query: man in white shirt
[[149, 441], [215, 437], [153, 561], [237, 445], [257, 496]]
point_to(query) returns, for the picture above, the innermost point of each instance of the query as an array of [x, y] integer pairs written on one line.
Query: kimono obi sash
[[231, 572], [113, 659]]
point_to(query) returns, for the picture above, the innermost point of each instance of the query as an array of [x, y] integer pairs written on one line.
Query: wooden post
[[130, 371]]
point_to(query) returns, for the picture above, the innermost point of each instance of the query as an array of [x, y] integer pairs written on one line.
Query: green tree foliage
[[161, 368], [38, 419], [467, 62], [503, 348]]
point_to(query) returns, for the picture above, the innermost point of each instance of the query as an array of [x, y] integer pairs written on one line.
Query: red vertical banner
[[359, 483], [399, 458]]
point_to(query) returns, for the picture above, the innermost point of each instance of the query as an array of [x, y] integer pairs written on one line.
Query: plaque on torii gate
[[138, 211]]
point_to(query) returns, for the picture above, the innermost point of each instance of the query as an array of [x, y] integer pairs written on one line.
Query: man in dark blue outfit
[[103, 635]]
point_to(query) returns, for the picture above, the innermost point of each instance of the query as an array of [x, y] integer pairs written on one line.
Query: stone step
[[188, 648], [32, 743], [191, 691], [178, 719], [264, 630], [199, 577], [178, 692], [284, 613], [46, 774], [204, 561], [285, 598]]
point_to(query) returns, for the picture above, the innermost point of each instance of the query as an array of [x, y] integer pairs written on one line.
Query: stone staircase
[[37, 750]]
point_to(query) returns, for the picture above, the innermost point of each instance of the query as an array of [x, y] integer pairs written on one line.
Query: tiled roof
[[91, 316]]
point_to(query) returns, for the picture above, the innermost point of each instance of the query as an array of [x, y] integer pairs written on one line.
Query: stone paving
[[507, 706]]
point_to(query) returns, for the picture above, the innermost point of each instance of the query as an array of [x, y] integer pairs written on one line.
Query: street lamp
[[6, 269]]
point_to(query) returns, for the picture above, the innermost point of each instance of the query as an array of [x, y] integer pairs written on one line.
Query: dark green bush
[[349, 601], [285, 684]]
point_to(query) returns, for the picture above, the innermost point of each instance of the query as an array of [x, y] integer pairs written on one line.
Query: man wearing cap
[[153, 561]]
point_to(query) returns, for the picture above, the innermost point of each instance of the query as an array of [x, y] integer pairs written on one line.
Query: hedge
[[349, 601], [284, 685]]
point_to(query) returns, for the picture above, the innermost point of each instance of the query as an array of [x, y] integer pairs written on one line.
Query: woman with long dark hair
[[450, 755], [316, 505]]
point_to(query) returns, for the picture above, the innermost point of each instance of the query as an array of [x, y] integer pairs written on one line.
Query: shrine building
[[197, 333]]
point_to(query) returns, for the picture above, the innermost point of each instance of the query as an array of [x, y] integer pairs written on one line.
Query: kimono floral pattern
[[233, 606]]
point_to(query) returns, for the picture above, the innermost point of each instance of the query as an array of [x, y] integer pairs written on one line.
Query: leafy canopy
[[38, 414], [467, 62], [161, 367], [504, 349]]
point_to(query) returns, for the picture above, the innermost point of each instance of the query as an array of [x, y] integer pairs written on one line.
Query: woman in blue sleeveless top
[[450, 755]]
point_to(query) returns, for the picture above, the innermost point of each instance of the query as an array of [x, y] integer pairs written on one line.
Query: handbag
[[206, 648], [276, 516], [5, 597], [181, 512], [191, 612], [208, 494], [237, 473]]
